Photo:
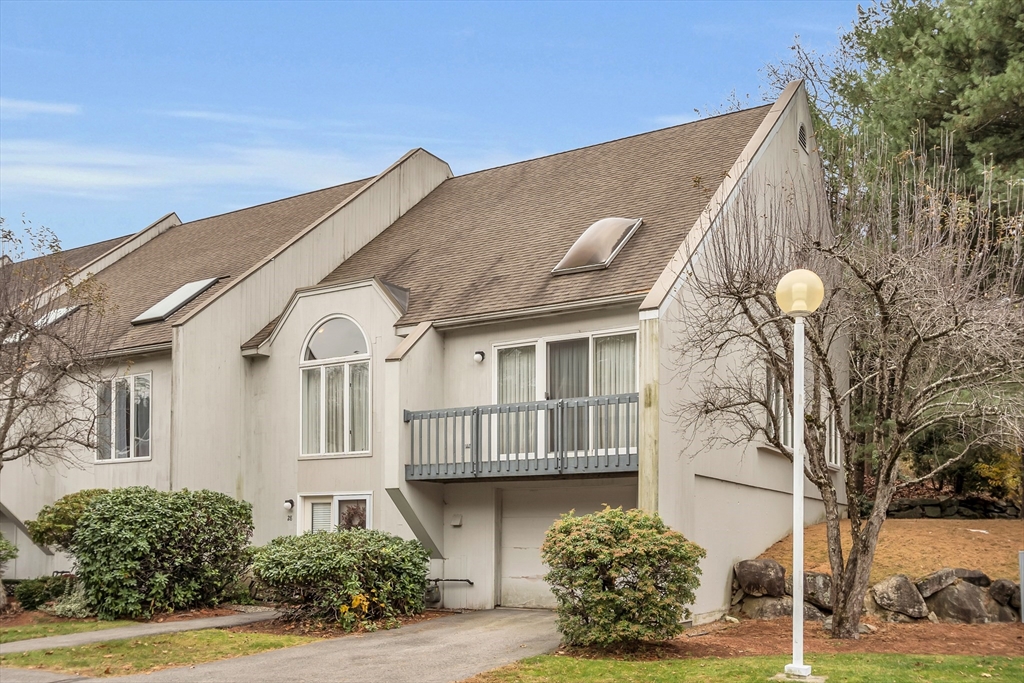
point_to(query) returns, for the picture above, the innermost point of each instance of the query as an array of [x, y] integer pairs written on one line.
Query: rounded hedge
[[620, 577], [139, 551], [55, 524], [351, 576]]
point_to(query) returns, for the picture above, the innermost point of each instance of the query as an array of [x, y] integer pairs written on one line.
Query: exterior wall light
[[799, 293], [479, 356], [289, 504]]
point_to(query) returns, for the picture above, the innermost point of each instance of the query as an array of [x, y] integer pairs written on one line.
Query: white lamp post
[[799, 293]]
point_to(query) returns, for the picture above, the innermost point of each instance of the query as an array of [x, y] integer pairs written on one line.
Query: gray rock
[[912, 513], [773, 608], [1002, 590], [933, 617], [737, 596], [898, 594], [817, 589], [975, 576], [933, 511], [960, 602], [935, 582], [1015, 598], [761, 578]]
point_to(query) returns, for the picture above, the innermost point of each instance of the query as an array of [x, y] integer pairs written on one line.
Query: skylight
[[166, 307], [47, 319], [598, 245]]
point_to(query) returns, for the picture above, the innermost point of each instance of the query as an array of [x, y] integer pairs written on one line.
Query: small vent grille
[[802, 136]]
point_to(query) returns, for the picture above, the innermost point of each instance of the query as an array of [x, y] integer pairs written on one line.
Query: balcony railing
[[588, 435]]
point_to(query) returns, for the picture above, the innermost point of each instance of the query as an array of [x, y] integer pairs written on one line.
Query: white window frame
[[113, 427], [302, 524], [347, 362], [541, 369], [833, 445]]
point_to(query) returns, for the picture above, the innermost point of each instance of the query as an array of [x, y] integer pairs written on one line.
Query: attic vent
[[167, 306], [802, 137], [598, 245]]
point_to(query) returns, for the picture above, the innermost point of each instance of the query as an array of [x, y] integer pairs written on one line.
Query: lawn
[[122, 657], [846, 668], [9, 634]]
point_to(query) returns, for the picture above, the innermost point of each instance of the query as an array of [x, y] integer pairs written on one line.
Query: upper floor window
[[123, 417], [336, 390]]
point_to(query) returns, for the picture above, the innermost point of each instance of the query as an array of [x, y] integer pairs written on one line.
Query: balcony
[[589, 436]]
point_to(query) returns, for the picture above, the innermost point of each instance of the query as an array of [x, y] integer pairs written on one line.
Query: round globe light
[[800, 292]]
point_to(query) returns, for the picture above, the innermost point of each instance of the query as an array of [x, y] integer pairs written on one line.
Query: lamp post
[[799, 293]]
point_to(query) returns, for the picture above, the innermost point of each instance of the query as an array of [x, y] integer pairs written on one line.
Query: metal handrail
[[589, 434]]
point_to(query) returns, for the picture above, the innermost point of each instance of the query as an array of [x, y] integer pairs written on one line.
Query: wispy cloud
[[233, 119], [19, 109], [85, 170]]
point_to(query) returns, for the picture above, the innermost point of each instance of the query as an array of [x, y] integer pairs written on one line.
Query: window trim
[[304, 498], [131, 446], [324, 363]]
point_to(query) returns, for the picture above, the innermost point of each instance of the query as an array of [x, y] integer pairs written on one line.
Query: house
[[457, 359]]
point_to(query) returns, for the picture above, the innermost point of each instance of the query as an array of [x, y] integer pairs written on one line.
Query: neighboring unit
[[455, 359]]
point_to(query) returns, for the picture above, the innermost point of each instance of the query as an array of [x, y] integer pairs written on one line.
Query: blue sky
[[113, 114]]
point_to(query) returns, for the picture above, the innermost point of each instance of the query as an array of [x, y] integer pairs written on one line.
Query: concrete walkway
[[137, 631], [437, 651]]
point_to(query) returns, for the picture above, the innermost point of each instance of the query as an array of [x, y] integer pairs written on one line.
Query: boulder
[[933, 511], [898, 594], [773, 608], [760, 578], [817, 589], [1002, 590], [1015, 598], [975, 576], [960, 602], [935, 582], [910, 513]]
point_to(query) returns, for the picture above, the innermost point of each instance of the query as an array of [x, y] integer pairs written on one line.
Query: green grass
[[9, 634], [143, 655], [845, 668]]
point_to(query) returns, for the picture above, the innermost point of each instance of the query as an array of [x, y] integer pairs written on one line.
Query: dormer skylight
[[598, 245], [167, 306]]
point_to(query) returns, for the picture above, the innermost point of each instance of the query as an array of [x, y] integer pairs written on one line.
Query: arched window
[[335, 371]]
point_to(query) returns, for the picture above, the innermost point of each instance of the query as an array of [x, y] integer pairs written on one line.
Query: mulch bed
[[323, 629], [19, 617], [753, 638]]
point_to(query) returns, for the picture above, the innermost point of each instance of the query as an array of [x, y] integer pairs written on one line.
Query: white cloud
[[66, 168], [232, 119], [19, 109]]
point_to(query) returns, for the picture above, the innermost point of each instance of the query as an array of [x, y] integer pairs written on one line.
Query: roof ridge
[[63, 252], [277, 201], [609, 142]]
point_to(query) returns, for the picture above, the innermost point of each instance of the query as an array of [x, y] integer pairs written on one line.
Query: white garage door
[[526, 514]]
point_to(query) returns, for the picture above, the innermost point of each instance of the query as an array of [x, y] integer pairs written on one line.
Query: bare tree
[[922, 325], [49, 324]]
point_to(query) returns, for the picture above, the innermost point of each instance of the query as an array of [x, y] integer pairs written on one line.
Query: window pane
[[615, 373], [336, 339], [311, 411], [103, 421], [122, 418], [568, 370], [320, 517], [142, 395], [517, 383], [359, 406], [352, 513], [334, 410]]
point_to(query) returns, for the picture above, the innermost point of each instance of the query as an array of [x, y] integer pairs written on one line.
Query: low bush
[[73, 604], [34, 593], [55, 524], [8, 551], [353, 577], [620, 577], [139, 551]]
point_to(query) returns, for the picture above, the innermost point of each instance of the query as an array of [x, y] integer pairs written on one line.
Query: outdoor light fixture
[[289, 504], [479, 356], [799, 293]]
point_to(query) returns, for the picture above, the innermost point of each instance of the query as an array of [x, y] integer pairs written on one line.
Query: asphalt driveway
[[436, 651]]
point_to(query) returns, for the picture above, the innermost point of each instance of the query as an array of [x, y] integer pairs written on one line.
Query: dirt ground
[[324, 629], [920, 546], [752, 638], [18, 617]]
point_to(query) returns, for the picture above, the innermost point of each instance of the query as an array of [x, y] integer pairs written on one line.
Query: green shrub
[[55, 525], [139, 551], [8, 551], [351, 576], [34, 593], [620, 577], [73, 604]]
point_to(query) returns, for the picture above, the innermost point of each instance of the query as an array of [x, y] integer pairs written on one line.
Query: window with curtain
[[335, 388], [517, 383], [569, 377], [123, 415], [336, 512], [615, 373], [780, 409]]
